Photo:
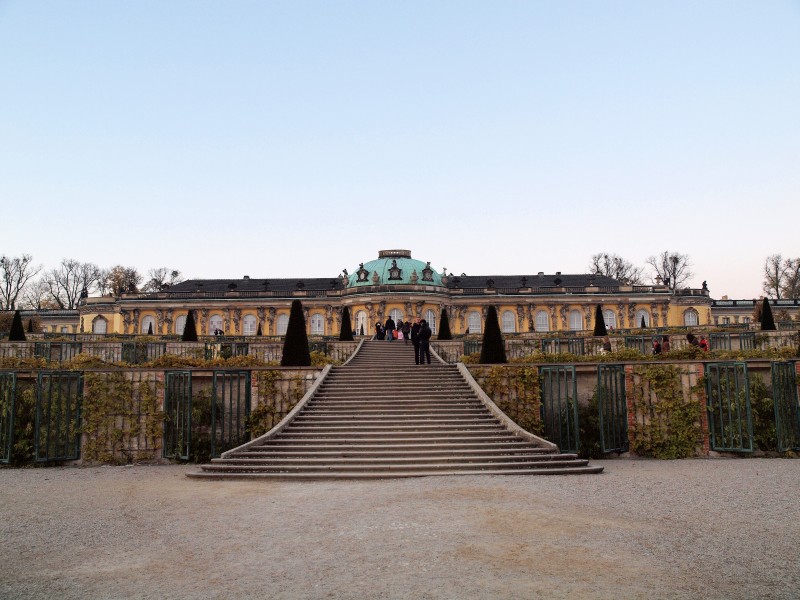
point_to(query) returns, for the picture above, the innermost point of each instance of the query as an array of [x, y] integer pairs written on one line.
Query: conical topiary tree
[[599, 322], [346, 334], [767, 322], [258, 332], [17, 333], [492, 351], [190, 329], [643, 325], [295, 346], [30, 325], [149, 329], [444, 327]]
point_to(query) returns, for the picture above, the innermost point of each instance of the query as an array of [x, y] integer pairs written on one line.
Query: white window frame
[[100, 325], [430, 317], [576, 320], [215, 322], [642, 313], [317, 324], [361, 322], [475, 322], [396, 314], [282, 324], [508, 322], [542, 321], [145, 324], [610, 318], [691, 318], [249, 325], [180, 324]]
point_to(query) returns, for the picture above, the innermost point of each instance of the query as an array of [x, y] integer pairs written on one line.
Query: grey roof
[[257, 285], [532, 281]]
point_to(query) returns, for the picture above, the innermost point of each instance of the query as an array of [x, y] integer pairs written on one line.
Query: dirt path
[[643, 529]]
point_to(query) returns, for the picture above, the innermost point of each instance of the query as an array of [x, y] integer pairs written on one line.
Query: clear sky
[[298, 138]]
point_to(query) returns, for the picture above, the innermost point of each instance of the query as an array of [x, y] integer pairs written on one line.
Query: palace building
[[397, 285]]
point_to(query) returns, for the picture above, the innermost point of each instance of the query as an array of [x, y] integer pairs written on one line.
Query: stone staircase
[[382, 416]]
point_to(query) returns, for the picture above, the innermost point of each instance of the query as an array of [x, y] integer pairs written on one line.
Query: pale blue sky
[[288, 139]]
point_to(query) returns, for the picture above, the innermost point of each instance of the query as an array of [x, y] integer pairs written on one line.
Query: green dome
[[394, 267]]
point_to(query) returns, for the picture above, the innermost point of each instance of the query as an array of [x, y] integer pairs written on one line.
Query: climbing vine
[[276, 398], [121, 418], [517, 391], [666, 424]]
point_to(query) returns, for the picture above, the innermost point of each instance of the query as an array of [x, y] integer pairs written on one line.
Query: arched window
[[430, 317], [691, 318], [610, 318], [542, 321], [282, 324], [642, 314], [474, 322], [214, 323], [99, 325], [147, 323], [396, 314], [575, 320], [249, 325], [362, 327], [317, 324], [509, 322], [180, 324]]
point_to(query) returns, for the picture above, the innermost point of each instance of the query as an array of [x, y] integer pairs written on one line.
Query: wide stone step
[[366, 445], [366, 462], [393, 474], [402, 451], [395, 412], [395, 421], [395, 438], [389, 466], [392, 428]]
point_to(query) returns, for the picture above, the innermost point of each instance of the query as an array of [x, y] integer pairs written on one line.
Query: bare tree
[[69, 280], [791, 278], [120, 280], [15, 272], [672, 268], [37, 296], [616, 267], [774, 273], [162, 278]]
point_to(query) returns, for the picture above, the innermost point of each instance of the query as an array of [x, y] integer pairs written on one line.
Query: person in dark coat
[[415, 340], [424, 342], [389, 327], [665, 344], [379, 333], [656, 346], [406, 331]]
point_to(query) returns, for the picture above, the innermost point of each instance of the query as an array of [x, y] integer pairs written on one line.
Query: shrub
[[295, 346], [599, 322], [190, 330], [444, 326], [492, 350], [346, 334]]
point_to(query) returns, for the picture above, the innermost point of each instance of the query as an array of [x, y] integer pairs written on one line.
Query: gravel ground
[[643, 529]]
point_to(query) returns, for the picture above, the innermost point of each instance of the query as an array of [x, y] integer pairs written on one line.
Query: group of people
[[662, 345], [418, 332]]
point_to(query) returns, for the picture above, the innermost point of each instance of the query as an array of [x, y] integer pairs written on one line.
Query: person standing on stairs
[[415, 340], [406, 331], [389, 327], [424, 342]]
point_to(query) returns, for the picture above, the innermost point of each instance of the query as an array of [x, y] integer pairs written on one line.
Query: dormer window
[[427, 272], [362, 273], [395, 272]]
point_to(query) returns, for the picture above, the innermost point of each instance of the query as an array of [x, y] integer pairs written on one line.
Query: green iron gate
[[230, 407], [613, 408], [719, 341], [8, 391], [641, 343], [57, 434], [560, 345], [730, 421], [560, 406], [787, 411], [178, 414], [136, 353], [747, 340]]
